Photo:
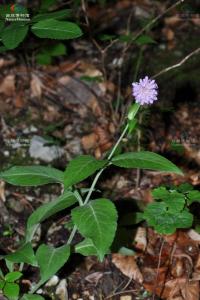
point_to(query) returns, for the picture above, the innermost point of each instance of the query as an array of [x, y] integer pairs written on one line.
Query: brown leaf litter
[[167, 265]]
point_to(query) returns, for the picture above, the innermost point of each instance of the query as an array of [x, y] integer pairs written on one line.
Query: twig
[[178, 64], [157, 18]]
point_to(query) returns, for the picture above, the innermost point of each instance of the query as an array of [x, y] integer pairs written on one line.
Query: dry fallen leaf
[[140, 239], [36, 86], [127, 266], [7, 87], [89, 141]]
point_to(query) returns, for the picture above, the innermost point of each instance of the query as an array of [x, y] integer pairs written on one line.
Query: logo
[[16, 12]]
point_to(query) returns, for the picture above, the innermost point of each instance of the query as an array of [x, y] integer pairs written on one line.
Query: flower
[[145, 91]]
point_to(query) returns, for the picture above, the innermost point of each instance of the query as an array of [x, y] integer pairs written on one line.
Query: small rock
[[39, 150], [52, 281], [6, 153], [140, 12], [15, 205], [61, 290]]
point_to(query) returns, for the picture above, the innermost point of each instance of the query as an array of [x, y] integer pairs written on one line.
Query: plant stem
[[97, 178]]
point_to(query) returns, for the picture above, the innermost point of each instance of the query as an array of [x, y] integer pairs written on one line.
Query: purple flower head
[[145, 91]]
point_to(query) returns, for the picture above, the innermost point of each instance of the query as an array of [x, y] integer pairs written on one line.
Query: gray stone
[[39, 150], [61, 290]]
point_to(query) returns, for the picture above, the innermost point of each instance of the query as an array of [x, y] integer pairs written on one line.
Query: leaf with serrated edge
[[50, 260], [46, 210], [145, 160], [80, 168], [54, 29], [24, 254], [32, 175], [86, 248], [98, 221]]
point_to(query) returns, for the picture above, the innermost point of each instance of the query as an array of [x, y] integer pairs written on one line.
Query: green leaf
[[107, 37], [50, 260], [11, 290], [165, 220], [145, 160], [57, 49], [80, 168], [14, 34], [160, 193], [47, 210], [2, 24], [144, 40], [175, 201], [86, 248], [24, 254], [126, 38], [54, 29], [9, 265], [2, 283], [185, 187], [193, 196], [57, 15], [43, 58], [98, 221], [32, 297], [133, 111], [32, 175], [11, 277]]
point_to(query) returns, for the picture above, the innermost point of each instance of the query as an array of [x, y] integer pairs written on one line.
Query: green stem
[[97, 178]]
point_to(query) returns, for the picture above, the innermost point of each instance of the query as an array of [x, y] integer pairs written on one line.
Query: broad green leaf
[[98, 221], [185, 187], [86, 248], [54, 29], [47, 210], [193, 196], [11, 277], [43, 58], [80, 168], [160, 193], [58, 15], [24, 254], [14, 34], [11, 290], [32, 297], [32, 175], [165, 220], [145, 160], [175, 201], [57, 49], [144, 40], [50, 260]]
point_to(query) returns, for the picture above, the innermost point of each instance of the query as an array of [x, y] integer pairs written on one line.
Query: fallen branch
[[178, 64]]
